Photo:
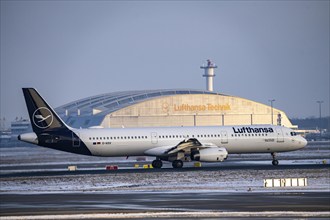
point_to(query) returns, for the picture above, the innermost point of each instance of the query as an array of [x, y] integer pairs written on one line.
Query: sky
[[70, 50]]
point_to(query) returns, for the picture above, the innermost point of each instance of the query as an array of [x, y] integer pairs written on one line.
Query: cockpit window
[[293, 133]]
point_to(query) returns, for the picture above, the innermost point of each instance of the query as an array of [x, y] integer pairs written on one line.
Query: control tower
[[209, 74]]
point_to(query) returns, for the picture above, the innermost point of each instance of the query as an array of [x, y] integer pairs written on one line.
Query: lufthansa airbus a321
[[174, 144]]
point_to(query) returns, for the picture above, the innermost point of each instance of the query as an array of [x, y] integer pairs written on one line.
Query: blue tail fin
[[42, 116]]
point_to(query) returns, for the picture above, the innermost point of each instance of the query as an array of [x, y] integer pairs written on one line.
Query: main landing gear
[[274, 162], [157, 164], [175, 164]]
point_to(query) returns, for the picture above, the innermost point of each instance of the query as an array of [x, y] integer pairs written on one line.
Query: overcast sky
[[74, 49]]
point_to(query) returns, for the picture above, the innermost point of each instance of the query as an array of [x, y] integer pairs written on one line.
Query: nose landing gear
[[274, 162]]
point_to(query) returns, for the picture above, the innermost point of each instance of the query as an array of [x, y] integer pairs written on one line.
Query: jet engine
[[212, 154]]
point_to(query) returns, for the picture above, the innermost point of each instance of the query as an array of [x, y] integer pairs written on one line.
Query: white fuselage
[[236, 139]]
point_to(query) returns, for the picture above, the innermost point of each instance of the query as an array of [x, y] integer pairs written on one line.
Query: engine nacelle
[[212, 154]]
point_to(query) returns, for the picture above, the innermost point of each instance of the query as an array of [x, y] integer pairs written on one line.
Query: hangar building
[[168, 107]]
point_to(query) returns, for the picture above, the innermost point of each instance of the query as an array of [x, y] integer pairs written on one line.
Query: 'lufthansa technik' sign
[[201, 108]]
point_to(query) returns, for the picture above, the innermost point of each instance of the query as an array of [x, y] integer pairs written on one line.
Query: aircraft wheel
[[275, 162], [177, 164], [157, 164]]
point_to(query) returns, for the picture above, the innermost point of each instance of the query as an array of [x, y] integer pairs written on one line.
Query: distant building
[[169, 107], [20, 126], [9, 138]]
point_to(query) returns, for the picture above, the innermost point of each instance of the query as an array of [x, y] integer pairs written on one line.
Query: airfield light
[[272, 113]]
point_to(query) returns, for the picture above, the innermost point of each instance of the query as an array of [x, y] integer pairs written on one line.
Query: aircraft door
[[224, 137], [154, 138], [75, 139], [279, 133]]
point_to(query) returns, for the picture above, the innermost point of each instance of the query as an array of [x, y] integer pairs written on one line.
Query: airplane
[[173, 144]]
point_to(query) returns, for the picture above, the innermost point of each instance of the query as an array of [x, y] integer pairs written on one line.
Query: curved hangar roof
[[93, 111], [100, 105]]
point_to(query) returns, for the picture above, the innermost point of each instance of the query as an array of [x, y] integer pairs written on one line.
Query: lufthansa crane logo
[[42, 118], [165, 107]]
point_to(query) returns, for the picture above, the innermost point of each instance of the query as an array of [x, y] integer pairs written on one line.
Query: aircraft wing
[[184, 145]]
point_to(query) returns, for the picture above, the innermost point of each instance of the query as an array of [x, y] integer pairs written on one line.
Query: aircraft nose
[[303, 142]]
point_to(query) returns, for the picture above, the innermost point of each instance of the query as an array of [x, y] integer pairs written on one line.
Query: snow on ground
[[225, 180], [175, 215]]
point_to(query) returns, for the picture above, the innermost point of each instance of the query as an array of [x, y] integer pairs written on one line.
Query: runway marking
[[192, 214]]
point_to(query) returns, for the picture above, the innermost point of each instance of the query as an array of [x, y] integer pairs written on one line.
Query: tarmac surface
[[229, 166], [64, 203]]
